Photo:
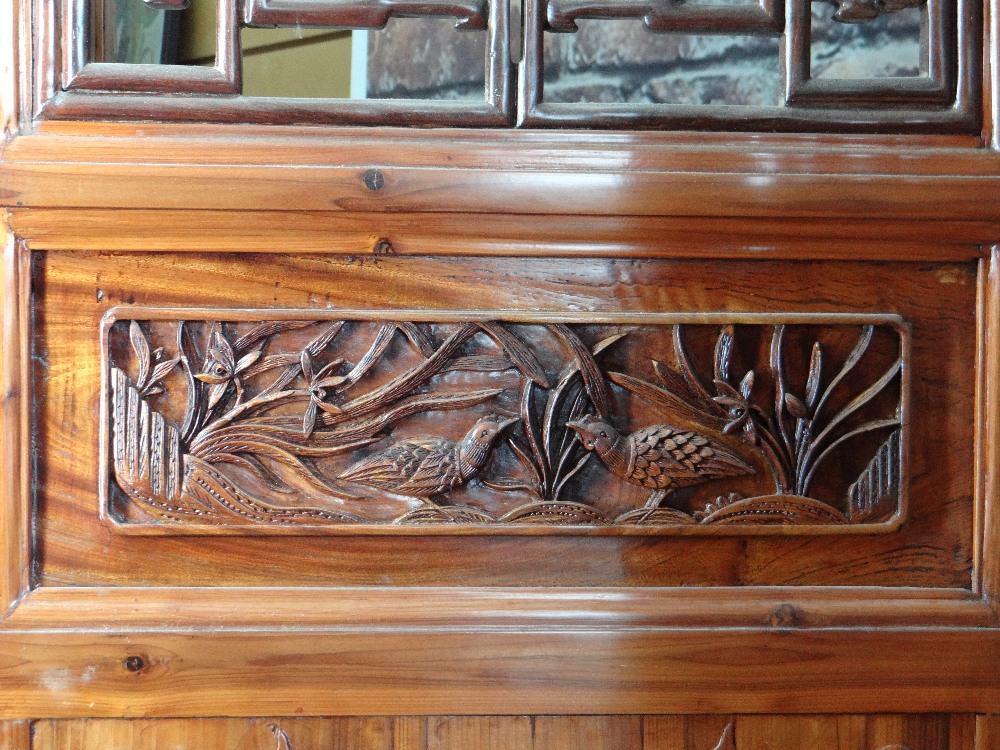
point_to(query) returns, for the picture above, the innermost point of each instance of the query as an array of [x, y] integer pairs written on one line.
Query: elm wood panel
[[328, 188], [987, 732], [362, 235], [15, 735], [72, 291], [855, 732], [772, 732], [987, 515], [230, 608], [276, 673], [590, 732], [333, 733], [480, 733], [15, 427]]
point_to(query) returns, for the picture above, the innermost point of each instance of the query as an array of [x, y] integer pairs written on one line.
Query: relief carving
[[489, 423], [862, 11]]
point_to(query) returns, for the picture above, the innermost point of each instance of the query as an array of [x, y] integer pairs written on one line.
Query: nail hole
[[373, 179]]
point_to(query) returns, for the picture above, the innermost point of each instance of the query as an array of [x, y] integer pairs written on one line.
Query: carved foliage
[[489, 423]]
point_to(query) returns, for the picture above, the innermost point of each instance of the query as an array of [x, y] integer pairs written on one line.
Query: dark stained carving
[[361, 14], [860, 11], [659, 458], [168, 4], [670, 15], [343, 423]]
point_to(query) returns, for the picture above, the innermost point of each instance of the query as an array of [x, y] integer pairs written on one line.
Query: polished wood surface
[[720, 732], [546, 640]]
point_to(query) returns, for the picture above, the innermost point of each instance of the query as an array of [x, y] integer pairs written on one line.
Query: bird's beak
[[581, 431]]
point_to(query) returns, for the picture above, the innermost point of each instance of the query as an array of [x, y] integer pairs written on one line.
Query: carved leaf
[[267, 329], [815, 374], [795, 406], [418, 337], [723, 353], [593, 380], [666, 400], [141, 348], [519, 354]]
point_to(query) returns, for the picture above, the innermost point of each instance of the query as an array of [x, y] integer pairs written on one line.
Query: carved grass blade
[[557, 492], [815, 375], [780, 405], [371, 357], [524, 460], [878, 424], [690, 377], [593, 379], [272, 480], [522, 357], [528, 424], [666, 400], [723, 353], [141, 348], [480, 363], [267, 329], [189, 355], [418, 337], [852, 359], [411, 379], [856, 403], [673, 381]]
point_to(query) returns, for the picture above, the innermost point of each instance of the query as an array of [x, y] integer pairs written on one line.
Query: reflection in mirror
[[888, 46], [411, 58], [128, 31], [623, 62]]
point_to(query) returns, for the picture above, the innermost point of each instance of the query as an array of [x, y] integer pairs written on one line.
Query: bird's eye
[[485, 433], [220, 370], [603, 434]]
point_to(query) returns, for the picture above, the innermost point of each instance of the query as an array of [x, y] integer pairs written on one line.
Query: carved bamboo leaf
[[371, 357], [684, 363], [723, 353], [418, 337], [852, 359], [593, 379], [666, 400], [267, 329], [480, 363], [141, 348], [522, 357], [815, 374], [673, 381]]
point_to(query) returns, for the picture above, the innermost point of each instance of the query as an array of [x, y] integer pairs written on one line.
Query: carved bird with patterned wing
[[659, 458], [424, 467]]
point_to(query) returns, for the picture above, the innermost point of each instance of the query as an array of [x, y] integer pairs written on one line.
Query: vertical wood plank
[[986, 551], [987, 732], [409, 733], [15, 735], [683, 732], [479, 732], [962, 732], [14, 531], [846, 732], [588, 733]]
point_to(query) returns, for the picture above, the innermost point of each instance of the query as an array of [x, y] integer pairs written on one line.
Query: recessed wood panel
[[935, 304]]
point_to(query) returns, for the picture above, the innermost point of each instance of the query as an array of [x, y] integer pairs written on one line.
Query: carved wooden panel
[[650, 423], [332, 402]]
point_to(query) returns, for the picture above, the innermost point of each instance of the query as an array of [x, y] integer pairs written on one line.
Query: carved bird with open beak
[[424, 467], [660, 458]]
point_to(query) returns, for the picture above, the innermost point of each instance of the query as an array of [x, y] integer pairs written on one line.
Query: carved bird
[[423, 467], [660, 458]]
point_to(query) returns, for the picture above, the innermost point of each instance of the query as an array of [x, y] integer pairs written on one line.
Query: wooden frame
[[84, 89], [256, 651]]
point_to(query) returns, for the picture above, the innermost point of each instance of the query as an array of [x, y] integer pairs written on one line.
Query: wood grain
[[73, 291], [698, 732]]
